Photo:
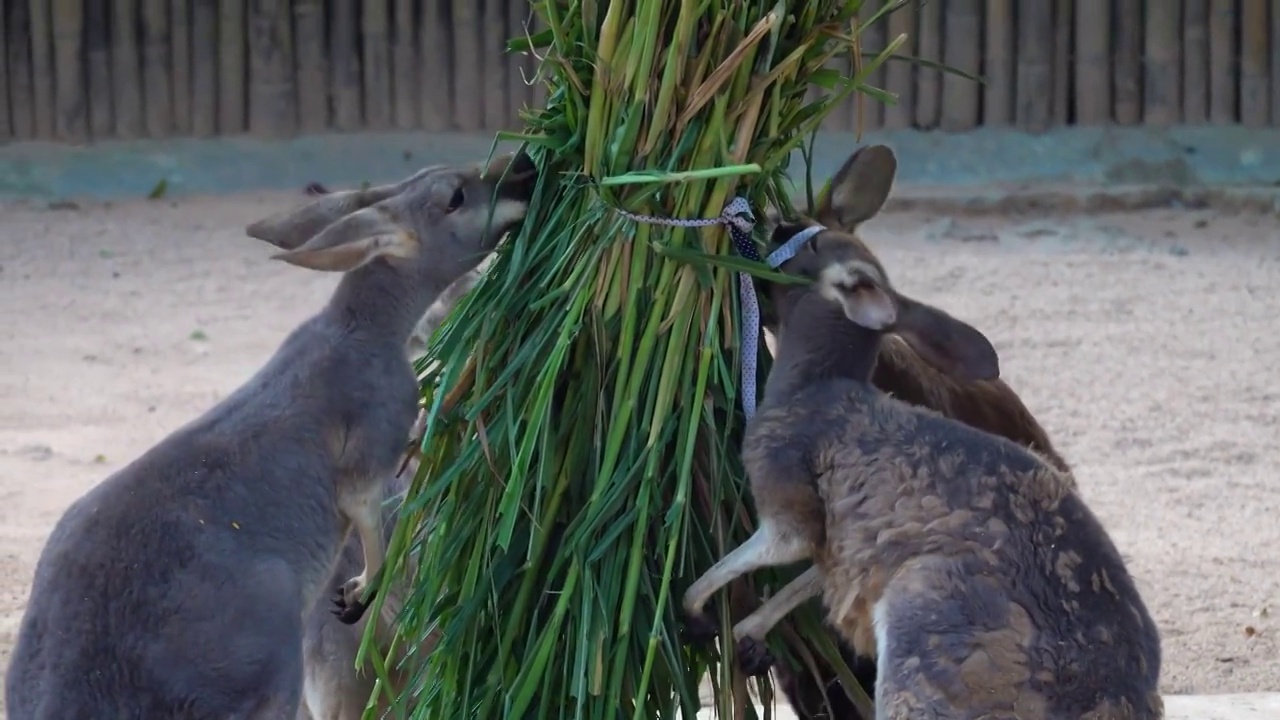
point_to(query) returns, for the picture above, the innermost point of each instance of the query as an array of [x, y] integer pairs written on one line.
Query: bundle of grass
[[581, 463]]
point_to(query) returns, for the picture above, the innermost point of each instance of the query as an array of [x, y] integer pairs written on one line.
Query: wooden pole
[[42, 72], [1255, 101], [180, 49], [867, 111], [492, 61], [375, 36], [157, 80], [204, 67], [1093, 62], [310, 65], [1222, 57], [519, 66], [405, 66], [1063, 19], [21, 92], [273, 94], [468, 100], [436, 84], [71, 116], [899, 75], [1128, 62], [98, 64], [1162, 62], [6, 124], [998, 64], [126, 80], [1195, 61], [231, 66], [960, 98], [1275, 65], [1034, 96], [344, 26], [928, 82]]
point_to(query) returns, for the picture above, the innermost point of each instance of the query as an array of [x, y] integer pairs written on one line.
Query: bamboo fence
[[77, 71]]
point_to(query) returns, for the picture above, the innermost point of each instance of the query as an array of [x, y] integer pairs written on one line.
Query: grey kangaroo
[[967, 565], [176, 588]]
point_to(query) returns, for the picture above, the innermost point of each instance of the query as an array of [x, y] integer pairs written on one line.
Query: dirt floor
[[1144, 342]]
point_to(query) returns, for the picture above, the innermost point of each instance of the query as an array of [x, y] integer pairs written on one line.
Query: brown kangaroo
[[968, 565]]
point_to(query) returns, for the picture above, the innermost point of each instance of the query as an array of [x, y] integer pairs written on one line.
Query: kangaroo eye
[[456, 201], [812, 244]]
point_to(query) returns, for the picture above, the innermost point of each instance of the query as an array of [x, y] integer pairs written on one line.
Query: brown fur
[[968, 565], [857, 193], [989, 405]]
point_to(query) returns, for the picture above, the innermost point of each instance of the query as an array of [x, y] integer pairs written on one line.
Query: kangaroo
[[176, 588], [967, 565], [857, 194]]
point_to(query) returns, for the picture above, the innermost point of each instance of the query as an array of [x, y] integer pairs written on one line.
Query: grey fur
[[440, 309], [333, 688], [967, 565], [177, 587]]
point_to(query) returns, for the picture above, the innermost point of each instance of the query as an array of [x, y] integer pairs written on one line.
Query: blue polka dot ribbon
[[739, 220]]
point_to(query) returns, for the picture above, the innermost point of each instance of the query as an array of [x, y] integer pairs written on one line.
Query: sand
[[1144, 342]]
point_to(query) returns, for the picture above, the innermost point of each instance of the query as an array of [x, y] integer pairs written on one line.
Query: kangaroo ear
[[517, 166], [859, 189], [520, 178], [952, 347], [862, 292], [353, 241], [290, 229]]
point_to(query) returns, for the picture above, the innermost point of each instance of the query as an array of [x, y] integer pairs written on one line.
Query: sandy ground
[[1145, 343]]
